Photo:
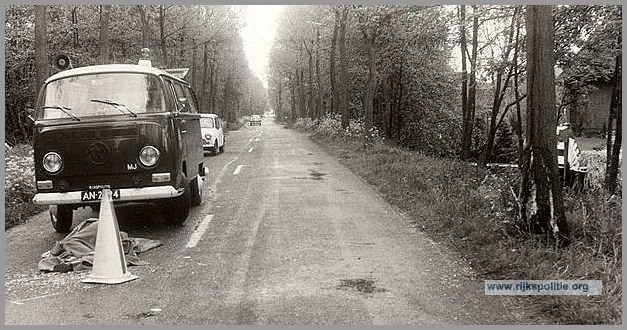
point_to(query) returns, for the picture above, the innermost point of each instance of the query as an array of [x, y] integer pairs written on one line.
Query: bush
[[19, 185]]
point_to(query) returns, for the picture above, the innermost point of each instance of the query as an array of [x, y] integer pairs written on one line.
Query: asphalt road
[[290, 237]]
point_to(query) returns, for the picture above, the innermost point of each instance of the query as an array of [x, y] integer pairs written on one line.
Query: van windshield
[[132, 92]]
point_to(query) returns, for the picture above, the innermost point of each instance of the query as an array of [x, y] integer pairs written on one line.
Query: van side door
[[187, 123]]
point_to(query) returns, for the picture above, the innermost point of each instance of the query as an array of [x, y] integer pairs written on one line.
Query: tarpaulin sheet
[[75, 252]]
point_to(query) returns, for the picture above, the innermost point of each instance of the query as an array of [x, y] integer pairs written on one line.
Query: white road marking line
[[22, 301], [239, 168], [197, 235], [251, 149]]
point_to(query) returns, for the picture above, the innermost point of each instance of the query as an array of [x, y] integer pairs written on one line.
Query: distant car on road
[[212, 133], [255, 120]]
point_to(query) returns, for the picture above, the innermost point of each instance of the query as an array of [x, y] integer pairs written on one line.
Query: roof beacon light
[[145, 60]]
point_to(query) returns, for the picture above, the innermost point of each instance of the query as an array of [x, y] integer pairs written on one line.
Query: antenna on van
[[145, 60]]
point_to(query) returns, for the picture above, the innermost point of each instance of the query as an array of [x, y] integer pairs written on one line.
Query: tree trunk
[[399, 103], [194, 69], [104, 34], [279, 103], [75, 26], [614, 123], [332, 74], [517, 95], [344, 97], [293, 87], [227, 96], [369, 41], [311, 109], [319, 111], [302, 96], [472, 88], [213, 88], [542, 206], [41, 48], [466, 120], [164, 51], [205, 76], [145, 26]]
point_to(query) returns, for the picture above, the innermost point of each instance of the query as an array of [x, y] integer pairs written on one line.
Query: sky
[[261, 23]]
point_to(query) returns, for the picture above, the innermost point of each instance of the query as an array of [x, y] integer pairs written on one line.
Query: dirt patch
[[359, 284], [315, 175]]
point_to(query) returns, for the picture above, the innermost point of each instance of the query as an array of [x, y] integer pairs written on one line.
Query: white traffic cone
[[109, 266]]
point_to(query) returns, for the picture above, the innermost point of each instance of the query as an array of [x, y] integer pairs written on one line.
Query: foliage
[[224, 84], [505, 148], [19, 185], [414, 83], [586, 40]]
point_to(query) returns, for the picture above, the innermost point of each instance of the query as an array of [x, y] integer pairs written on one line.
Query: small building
[[588, 116]]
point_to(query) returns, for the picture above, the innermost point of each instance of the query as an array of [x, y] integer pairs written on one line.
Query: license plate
[[96, 195]]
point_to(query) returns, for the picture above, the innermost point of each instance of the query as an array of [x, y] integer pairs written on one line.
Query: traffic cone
[[109, 266]]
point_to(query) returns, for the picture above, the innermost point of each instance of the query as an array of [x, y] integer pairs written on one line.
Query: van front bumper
[[126, 195]]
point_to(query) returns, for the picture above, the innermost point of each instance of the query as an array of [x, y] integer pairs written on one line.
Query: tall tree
[[332, 70], [319, 111], [143, 15], [41, 49], [614, 127], [466, 120], [104, 34], [469, 97], [343, 90], [162, 37], [541, 190]]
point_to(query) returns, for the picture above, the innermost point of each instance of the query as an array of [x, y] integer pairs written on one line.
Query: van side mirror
[[185, 102], [30, 114]]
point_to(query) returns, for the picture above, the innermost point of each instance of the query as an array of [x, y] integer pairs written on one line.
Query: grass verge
[[474, 212]]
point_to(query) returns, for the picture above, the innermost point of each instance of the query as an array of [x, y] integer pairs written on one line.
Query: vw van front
[[132, 129]]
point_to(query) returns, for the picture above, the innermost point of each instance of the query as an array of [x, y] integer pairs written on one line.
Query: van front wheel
[[176, 210], [61, 217]]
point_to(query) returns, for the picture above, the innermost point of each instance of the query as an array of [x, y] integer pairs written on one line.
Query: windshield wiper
[[66, 110], [117, 105]]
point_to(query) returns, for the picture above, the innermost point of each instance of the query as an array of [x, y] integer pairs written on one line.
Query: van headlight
[[52, 162], [149, 156], [208, 137]]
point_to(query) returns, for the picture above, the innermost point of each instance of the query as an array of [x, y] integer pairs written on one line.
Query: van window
[[102, 94], [191, 99], [217, 123], [178, 92]]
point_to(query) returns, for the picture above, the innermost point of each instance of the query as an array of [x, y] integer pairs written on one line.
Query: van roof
[[107, 68]]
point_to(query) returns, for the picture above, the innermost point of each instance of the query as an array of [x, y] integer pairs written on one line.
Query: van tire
[[222, 147], [196, 191], [216, 148], [61, 217], [176, 210]]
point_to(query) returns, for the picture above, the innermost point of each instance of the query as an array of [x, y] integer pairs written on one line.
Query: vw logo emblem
[[98, 153]]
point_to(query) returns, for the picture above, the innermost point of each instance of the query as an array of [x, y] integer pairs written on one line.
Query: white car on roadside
[[212, 133]]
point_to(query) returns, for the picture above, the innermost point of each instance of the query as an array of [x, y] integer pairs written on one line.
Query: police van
[[133, 129]]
